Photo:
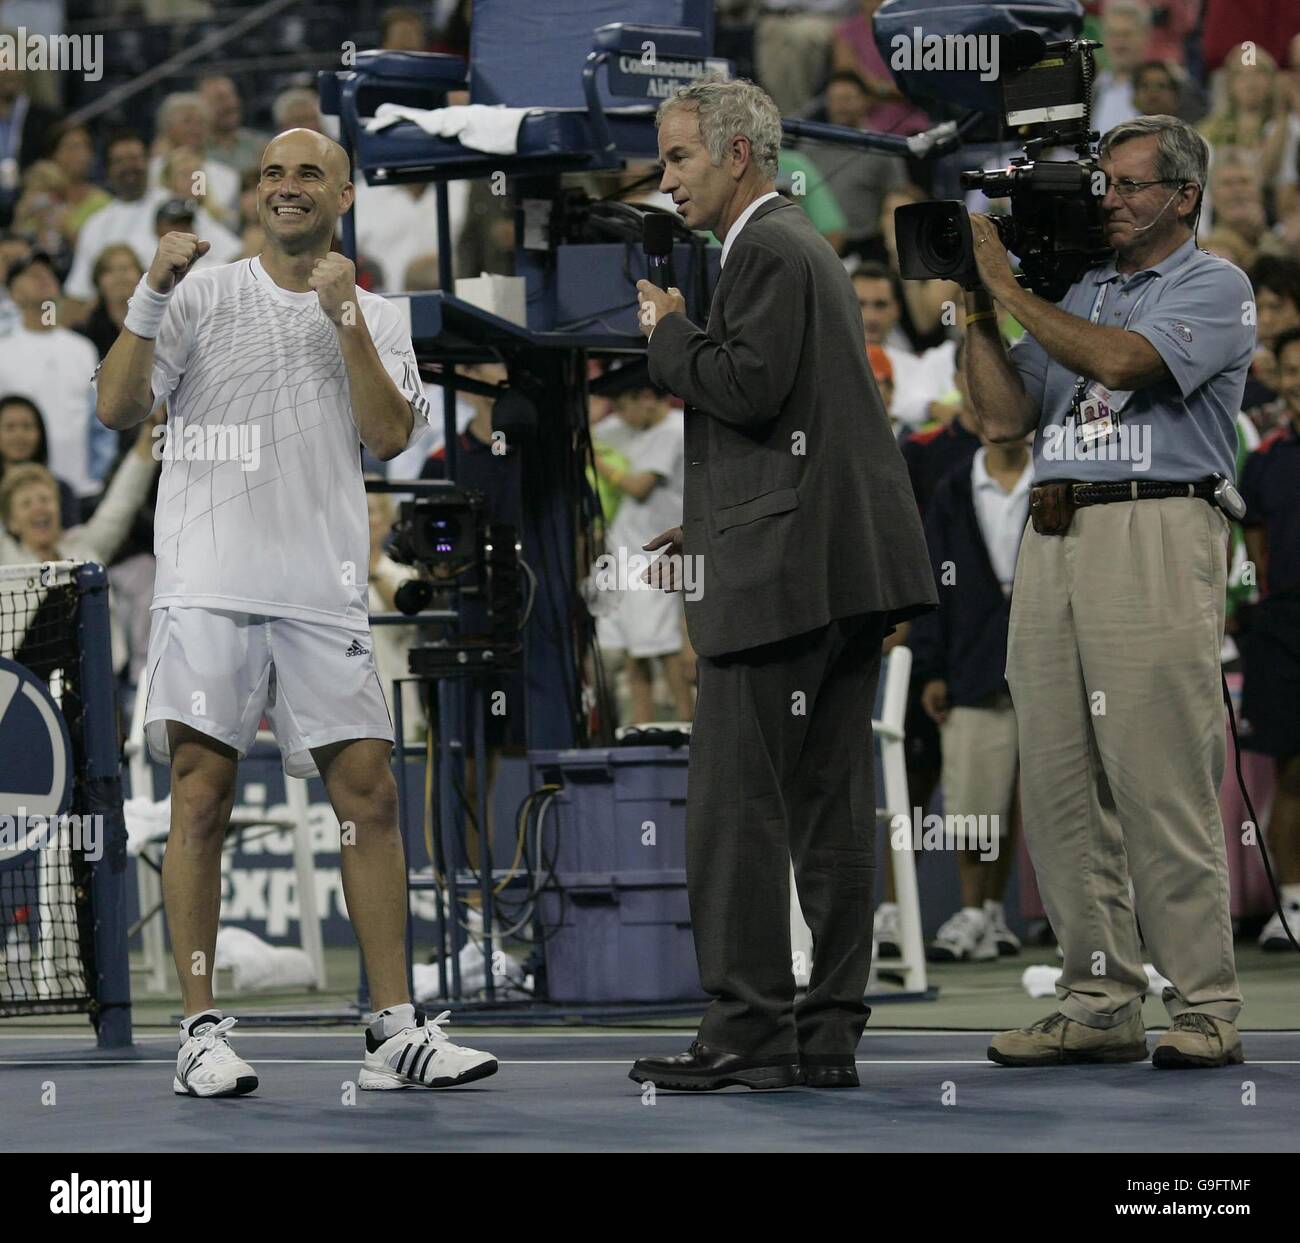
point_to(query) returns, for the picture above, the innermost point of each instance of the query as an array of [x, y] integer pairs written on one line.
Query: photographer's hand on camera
[[991, 257], [1002, 407]]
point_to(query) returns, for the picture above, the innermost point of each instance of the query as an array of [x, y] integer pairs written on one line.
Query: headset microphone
[[1142, 228]]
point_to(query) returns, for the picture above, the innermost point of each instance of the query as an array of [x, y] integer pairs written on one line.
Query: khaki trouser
[[981, 757], [1113, 663]]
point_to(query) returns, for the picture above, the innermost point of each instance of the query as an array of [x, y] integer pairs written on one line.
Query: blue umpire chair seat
[[562, 61]]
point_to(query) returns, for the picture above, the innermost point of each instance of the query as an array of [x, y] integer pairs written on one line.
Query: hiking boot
[[1195, 1040], [1058, 1041]]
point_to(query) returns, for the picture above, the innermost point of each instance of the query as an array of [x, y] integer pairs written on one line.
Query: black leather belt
[[1052, 505], [1108, 493]]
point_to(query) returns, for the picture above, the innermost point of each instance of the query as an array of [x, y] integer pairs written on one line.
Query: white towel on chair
[[481, 126], [473, 977], [146, 822], [259, 966]]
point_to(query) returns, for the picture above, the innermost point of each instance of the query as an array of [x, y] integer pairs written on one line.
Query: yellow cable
[[520, 831]]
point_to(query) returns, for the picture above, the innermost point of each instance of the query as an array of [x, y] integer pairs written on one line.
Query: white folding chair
[[888, 730]]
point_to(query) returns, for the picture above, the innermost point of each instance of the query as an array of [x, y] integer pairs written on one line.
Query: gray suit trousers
[[781, 770]]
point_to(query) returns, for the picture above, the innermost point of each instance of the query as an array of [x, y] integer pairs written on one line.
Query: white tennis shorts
[[221, 673], [643, 623]]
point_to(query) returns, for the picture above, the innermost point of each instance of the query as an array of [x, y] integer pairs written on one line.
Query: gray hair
[[1182, 155], [176, 103], [726, 108], [286, 100]]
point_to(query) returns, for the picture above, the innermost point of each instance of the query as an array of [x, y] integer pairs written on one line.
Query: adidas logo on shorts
[[355, 649]]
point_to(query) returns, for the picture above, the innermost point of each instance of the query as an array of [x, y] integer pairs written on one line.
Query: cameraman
[[1132, 383]]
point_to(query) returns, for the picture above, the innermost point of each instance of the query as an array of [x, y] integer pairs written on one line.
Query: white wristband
[[145, 310]]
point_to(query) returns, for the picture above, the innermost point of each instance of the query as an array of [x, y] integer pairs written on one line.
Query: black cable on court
[[1254, 819]]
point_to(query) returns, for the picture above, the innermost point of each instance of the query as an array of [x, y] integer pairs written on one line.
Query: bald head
[[324, 151], [305, 186]]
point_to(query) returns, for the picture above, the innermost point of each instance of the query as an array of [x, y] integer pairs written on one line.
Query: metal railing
[[217, 39]]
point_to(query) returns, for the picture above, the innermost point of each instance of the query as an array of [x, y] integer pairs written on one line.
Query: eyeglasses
[[1126, 187]]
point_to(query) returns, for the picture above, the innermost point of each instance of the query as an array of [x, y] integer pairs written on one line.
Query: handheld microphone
[[657, 243]]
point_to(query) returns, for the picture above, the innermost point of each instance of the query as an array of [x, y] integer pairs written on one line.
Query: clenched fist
[[177, 253], [655, 303], [334, 278]]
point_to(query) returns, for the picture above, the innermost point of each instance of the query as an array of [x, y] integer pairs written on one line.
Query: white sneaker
[[421, 1057], [207, 1066], [1274, 935], [1005, 941], [886, 931], [962, 938]]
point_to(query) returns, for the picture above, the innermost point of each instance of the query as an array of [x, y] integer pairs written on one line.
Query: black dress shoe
[[704, 1070], [829, 1070]]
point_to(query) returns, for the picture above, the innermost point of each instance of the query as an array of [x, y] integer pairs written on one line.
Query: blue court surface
[[922, 1091]]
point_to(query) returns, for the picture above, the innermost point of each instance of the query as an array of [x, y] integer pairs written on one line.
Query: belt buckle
[[1053, 518]]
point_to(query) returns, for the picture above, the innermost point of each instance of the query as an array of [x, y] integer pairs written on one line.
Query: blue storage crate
[[613, 797], [614, 937], [617, 922]]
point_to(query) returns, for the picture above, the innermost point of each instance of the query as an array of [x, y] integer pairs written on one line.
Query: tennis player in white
[[285, 369]]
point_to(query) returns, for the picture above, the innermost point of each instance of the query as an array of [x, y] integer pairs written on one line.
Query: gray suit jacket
[[797, 500]]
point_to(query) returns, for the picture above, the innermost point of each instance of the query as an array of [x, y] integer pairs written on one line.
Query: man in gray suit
[[801, 528]]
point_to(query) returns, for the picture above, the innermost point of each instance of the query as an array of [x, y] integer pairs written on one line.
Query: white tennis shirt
[[261, 504]]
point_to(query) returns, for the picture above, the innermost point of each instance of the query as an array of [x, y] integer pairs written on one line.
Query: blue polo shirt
[[1270, 486], [1198, 312]]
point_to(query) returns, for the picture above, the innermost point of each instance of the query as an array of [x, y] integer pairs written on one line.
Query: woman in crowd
[[1254, 112], [32, 530], [23, 441], [116, 273], [71, 149], [184, 175], [29, 509], [41, 213]]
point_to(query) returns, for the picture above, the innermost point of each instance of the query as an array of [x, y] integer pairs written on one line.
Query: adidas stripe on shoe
[[421, 1057], [207, 1066]]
